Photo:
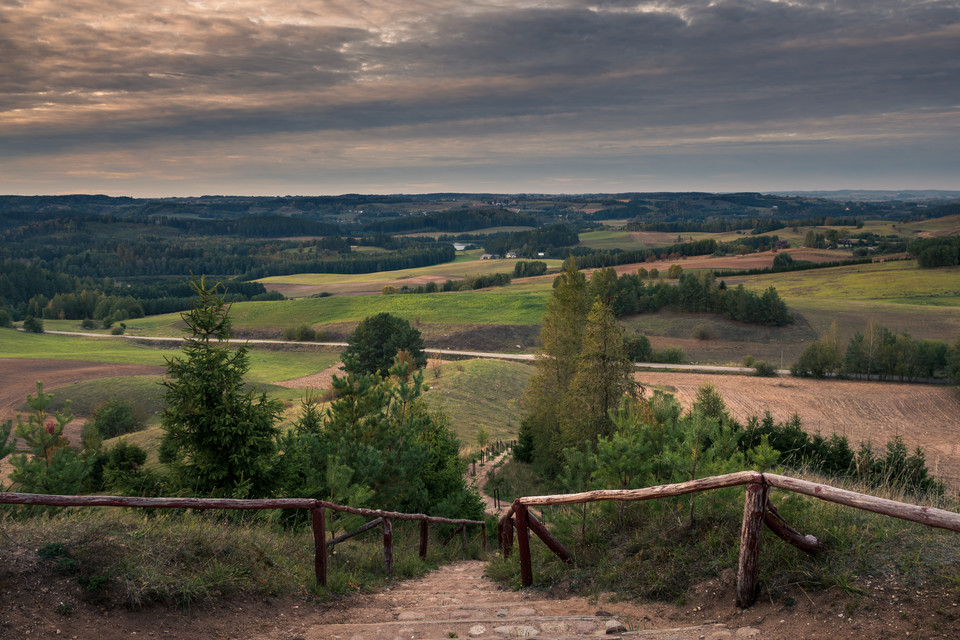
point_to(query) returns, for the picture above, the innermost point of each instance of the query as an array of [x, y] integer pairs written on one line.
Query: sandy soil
[[924, 415]]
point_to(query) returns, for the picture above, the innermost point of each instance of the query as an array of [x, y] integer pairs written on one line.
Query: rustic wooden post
[[463, 539], [319, 541], [506, 537], [388, 544], [483, 536], [523, 545], [424, 537], [753, 510]]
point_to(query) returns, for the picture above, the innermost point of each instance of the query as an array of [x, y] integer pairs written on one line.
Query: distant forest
[[83, 256]]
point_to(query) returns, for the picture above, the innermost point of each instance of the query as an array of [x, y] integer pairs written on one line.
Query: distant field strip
[[453, 270]]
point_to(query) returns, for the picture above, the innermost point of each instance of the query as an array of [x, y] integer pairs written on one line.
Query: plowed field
[[924, 415]]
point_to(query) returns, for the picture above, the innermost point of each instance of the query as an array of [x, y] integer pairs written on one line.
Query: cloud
[[90, 77]]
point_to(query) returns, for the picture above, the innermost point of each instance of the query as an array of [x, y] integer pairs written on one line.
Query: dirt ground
[[924, 415], [37, 603]]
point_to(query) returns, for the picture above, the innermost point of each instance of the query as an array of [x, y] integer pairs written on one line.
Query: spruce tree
[[220, 437], [561, 339]]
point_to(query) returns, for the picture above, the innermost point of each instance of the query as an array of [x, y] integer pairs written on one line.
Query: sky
[[193, 97]]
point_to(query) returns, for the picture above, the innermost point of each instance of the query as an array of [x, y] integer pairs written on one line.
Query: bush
[[32, 325], [119, 329], [88, 323], [748, 361], [5, 320], [763, 368], [301, 333], [637, 348], [116, 417], [670, 355], [703, 331]]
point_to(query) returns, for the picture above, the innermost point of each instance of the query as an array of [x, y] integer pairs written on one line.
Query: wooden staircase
[[458, 601]]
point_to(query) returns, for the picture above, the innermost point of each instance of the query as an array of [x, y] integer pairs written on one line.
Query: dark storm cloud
[[115, 75]]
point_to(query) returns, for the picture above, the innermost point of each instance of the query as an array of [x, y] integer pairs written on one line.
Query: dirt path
[[480, 482]]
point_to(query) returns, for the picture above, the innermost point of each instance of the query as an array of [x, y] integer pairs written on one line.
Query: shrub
[[703, 331], [5, 320], [637, 348], [301, 333], [32, 325], [119, 329], [115, 417], [763, 368], [748, 361], [670, 355], [88, 323]]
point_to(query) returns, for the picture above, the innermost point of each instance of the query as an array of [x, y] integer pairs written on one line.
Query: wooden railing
[[757, 511], [317, 507]]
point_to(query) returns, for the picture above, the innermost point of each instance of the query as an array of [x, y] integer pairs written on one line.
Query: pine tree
[[220, 438], [561, 338], [602, 379]]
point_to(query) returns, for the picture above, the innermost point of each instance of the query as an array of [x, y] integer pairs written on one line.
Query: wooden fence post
[[463, 539], [319, 541], [754, 508], [506, 537], [523, 545], [424, 537], [388, 544], [483, 536]]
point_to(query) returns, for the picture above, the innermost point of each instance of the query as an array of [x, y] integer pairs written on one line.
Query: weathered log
[[548, 539], [388, 545], [929, 516], [649, 493], [347, 536], [424, 538], [156, 503], [748, 569], [523, 544], [394, 515], [779, 526], [320, 549]]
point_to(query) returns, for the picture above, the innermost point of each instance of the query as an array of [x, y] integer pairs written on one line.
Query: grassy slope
[[480, 392]]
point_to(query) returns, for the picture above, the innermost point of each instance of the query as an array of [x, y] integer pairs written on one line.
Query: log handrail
[[757, 509], [315, 506]]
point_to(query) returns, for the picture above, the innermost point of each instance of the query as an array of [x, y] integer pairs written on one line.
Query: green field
[[475, 393], [462, 266], [16, 344], [266, 366], [608, 239]]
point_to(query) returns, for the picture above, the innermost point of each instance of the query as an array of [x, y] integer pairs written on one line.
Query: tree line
[[646, 292], [877, 352]]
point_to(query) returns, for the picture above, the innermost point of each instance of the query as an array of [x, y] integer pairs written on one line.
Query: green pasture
[[17, 344], [475, 393], [475, 232], [899, 281], [462, 266], [266, 366], [516, 304], [609, 239]]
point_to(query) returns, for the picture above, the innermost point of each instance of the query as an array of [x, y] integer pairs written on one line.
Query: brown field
[[924, 415], [18, 378], [749, 261]]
